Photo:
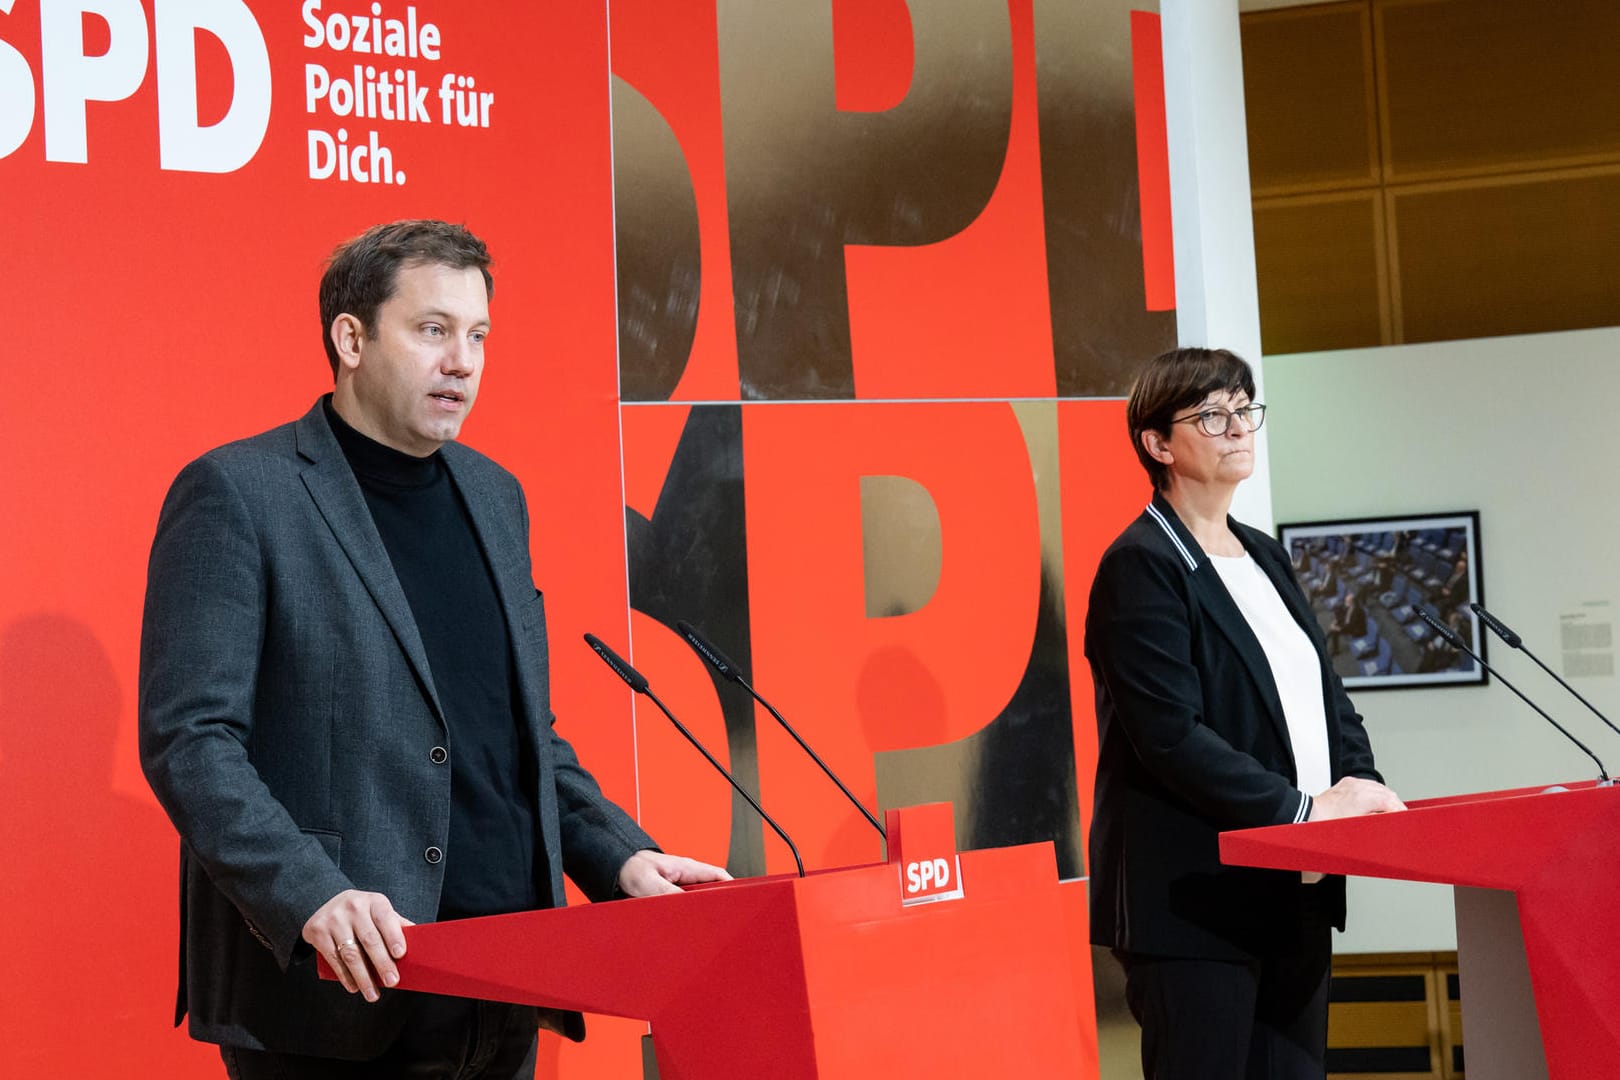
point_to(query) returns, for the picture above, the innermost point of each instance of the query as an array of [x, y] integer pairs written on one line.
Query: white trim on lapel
[[1169, 530]]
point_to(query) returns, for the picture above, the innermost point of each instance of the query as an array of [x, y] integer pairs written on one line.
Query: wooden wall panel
[[1385, 1016], [1308, 82], [1492, 85], [1519, 255], [1320, 264], [1489, 133], [1451, 1026]]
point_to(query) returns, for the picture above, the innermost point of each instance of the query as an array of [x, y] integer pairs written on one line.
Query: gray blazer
[[289, 723]]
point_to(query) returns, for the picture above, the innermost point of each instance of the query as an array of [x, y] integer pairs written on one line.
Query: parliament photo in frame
[[1366, 580]]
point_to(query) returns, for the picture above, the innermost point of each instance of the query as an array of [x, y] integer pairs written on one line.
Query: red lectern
[[834, 975], [1551, 853]]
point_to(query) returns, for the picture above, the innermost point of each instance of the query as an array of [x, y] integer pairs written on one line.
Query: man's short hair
[[1174, 381], [362, 272]]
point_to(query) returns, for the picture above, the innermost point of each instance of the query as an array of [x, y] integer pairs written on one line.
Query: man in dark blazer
[[1350, 620], [344, 698]]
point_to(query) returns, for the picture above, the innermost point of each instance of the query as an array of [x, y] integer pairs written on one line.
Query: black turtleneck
[[492, 860]]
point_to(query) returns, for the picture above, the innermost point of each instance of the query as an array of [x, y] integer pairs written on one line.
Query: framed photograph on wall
[[1366, 578]]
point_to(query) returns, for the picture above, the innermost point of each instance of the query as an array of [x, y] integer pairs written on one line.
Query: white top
[[1294, 665]]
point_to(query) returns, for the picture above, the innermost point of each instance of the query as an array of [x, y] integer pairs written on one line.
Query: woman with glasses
[[1217, 708]]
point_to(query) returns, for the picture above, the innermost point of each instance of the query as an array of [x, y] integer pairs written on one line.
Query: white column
[[1217, 304]]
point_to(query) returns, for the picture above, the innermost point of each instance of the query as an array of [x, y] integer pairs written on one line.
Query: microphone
[[1513, 641], [1450, 637], [717, 660], [638, 682]]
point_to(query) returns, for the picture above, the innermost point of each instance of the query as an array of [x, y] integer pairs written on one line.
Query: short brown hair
[[362, 272], [1173, 381]]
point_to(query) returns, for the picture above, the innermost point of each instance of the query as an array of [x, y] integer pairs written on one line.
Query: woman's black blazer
[[1192, 741]]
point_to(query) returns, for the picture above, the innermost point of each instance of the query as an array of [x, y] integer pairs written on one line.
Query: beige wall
[[1519, 428]]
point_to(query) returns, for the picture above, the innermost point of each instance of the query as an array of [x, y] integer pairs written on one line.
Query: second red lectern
[[1544, 855], [933, 964]]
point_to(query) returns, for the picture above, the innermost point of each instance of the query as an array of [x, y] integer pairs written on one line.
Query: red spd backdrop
[[810, 326]]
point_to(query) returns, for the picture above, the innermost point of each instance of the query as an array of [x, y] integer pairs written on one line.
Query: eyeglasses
[[1219, 421]]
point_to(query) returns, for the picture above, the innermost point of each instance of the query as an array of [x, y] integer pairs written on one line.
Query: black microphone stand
[[638, 683], [1450, 637], [1514, 641], [727, 670]]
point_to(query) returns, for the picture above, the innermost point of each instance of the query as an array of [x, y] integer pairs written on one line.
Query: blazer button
[[433, 855], [438, 755]]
